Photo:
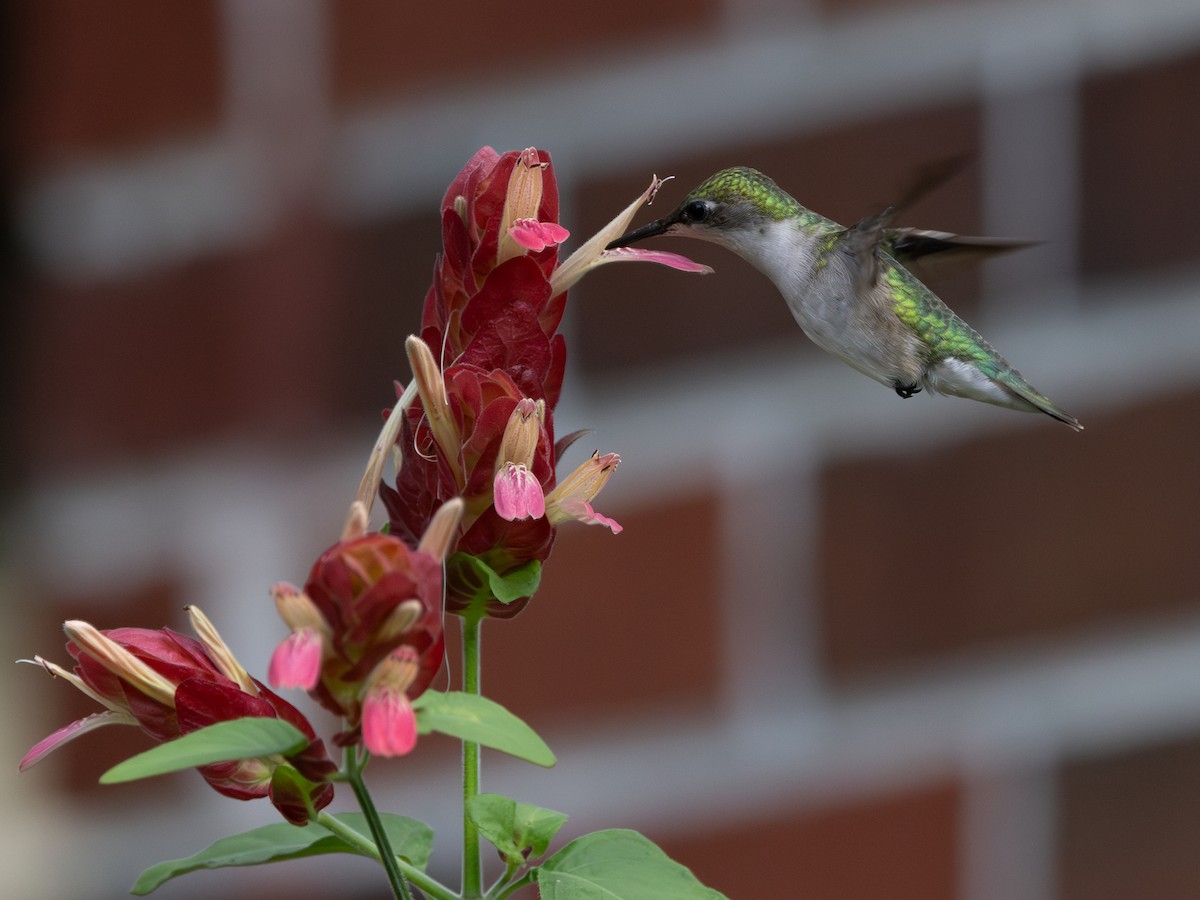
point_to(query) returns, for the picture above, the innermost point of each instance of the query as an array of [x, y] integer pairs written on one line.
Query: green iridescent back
[[942, 331]]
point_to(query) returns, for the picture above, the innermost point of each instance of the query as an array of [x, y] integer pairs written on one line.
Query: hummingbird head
[[724, 209]]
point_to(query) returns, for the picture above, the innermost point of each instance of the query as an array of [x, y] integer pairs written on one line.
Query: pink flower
[[517, 494], [389, 725], [572, 499], [297, 661], [534, 235]]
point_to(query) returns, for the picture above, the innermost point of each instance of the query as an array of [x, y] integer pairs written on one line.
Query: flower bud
[[170, 685], [432, 390]]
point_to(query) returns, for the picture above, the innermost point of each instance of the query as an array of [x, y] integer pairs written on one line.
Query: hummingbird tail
[[1025, 391], [999, 386]]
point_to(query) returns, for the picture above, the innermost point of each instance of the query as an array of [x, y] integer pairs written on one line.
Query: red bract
[[170, 685], [493, 196]]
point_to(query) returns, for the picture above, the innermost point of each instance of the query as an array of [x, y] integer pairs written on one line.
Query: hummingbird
[[856, 291]]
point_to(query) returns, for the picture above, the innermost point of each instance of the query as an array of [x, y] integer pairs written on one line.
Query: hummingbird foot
[[906, 390]]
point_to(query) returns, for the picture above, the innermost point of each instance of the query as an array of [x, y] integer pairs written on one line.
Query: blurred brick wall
[[835, 621]]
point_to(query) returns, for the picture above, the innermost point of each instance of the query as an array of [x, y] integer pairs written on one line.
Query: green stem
[[472, 877], [508, 889], [499, 889], [364, 846], [386, 856]]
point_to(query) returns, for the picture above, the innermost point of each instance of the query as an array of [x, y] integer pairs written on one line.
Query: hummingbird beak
[[659, 226]]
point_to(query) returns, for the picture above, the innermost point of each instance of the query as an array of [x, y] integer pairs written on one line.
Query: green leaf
[[617, 865], [520, 582], [236, 739], [479, 720], [273, 843], [518, 830]]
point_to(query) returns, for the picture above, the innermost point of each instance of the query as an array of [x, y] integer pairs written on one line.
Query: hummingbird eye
[[697, 211]]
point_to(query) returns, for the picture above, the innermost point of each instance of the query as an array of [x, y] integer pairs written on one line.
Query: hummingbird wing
[[929, 254], [864, 240]]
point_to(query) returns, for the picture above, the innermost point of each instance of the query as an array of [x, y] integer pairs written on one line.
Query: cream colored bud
[[432, 389], [219, 651], [400, 620], [356, 521], [442, 532], [297, 609], [521, 434]]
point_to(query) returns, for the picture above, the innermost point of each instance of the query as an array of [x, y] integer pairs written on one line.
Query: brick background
[[379, 49], [946, 594], [901, 844], [221, 344], [1137, 208], [1129, 822], [929, 555], [105, 79]]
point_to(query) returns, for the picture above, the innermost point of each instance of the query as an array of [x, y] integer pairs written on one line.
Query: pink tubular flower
[[297, 661], [370, 599], [389, 725], [517, 494], [572, 499], [170, 684]]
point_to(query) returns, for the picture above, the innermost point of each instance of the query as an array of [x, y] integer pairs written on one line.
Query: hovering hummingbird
[[855, 291]]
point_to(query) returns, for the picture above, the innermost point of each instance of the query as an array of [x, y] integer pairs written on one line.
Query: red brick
[[902, 845], [388, 268], [238, 342], [383, 49], [633, 315], [107, 76], [1139, 145], [620, 622], [1129, 824], [1029, 533]]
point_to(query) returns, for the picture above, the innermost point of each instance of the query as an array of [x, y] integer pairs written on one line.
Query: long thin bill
[[631, 237]]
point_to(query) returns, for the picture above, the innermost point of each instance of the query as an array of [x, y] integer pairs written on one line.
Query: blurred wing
[[932, 253], [864, 240]]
